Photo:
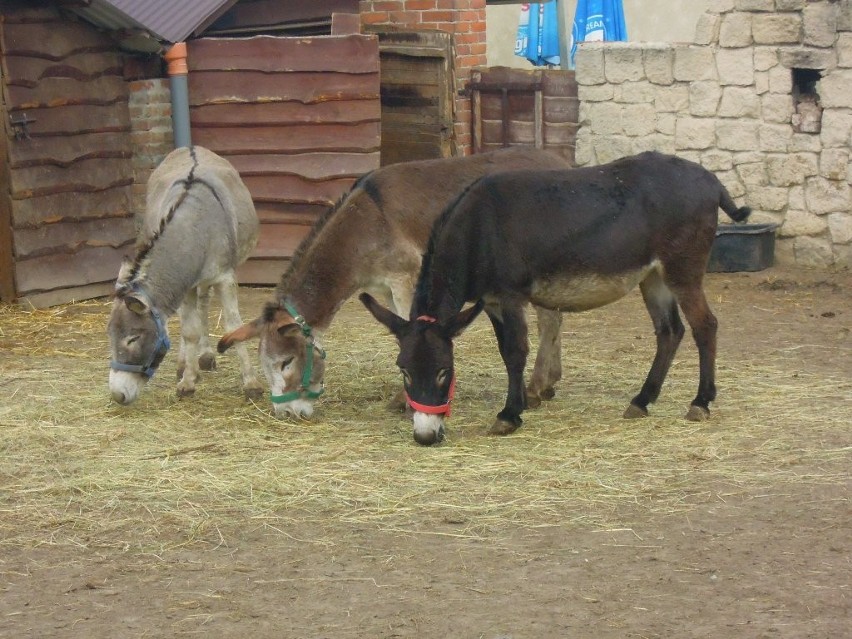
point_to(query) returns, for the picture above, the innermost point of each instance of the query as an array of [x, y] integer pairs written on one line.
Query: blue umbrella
[[538, 33], [597, 20]]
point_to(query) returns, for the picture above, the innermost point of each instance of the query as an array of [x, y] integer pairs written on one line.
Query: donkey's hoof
[[635, 412], [207, 362], [398, 403], [253, 391], [503, 427], [533, 400], [697, 414]]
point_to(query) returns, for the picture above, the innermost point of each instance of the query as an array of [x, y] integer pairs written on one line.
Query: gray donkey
[[199, 225]]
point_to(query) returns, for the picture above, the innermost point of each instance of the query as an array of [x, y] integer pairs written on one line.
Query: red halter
[[441, 409]]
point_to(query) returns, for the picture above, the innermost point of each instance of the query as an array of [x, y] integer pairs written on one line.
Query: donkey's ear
[[241, 334], [136, 304], [391, 320], [124, 272], [463, 319]]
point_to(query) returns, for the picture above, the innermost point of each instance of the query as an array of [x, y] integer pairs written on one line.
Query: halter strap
[[161, 347], [305, 391], [441, 409]]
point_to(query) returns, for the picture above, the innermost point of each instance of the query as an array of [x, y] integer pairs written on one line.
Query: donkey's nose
[[429, 437], [118, 397]]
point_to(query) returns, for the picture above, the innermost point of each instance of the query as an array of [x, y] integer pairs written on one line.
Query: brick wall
[[464, 19], [150, 132]]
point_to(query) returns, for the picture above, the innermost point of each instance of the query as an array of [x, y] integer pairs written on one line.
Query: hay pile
[[77, 469]]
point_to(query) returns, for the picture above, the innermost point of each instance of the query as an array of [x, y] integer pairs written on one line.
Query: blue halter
[[305, 390], [161, 347]]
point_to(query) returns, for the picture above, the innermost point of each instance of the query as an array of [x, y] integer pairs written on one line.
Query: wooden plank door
[[417, 95], [300, 120], [65, 204]]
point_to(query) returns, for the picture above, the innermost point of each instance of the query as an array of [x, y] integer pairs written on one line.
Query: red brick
[[419, 5], [374, 18]]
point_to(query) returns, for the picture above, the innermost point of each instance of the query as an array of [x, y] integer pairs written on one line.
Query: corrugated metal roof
[[168, 20]]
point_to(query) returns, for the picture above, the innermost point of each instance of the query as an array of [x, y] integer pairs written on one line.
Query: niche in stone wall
[[807, 115]]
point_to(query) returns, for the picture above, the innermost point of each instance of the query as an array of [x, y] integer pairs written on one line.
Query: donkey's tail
[[726, 202]]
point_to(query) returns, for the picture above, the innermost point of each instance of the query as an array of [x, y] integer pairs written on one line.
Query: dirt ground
[[761, 555]]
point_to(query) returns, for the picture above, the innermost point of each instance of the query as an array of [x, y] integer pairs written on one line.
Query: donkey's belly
[[573, 293]]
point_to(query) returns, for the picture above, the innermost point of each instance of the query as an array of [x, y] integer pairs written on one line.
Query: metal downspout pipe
[[176, 59]]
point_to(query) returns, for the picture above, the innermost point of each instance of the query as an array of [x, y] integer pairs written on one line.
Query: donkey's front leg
[[190, 330], [510, 327], [252, 388]]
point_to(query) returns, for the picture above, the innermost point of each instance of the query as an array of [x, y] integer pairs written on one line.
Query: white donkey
[[199, 225]]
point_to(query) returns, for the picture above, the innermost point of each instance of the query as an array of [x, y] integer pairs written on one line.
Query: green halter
[[305, 391]]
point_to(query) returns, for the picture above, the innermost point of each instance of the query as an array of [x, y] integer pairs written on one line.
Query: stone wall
[[150, 132], [763, 98]]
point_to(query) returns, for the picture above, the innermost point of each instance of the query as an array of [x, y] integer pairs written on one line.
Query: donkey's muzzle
[[429, 437]]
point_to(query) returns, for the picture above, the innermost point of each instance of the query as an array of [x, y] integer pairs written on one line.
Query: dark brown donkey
[[374, 240], [568, 240]]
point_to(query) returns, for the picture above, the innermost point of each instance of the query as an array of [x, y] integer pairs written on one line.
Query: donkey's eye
[[406, 377], [442, 376], [286, 362]]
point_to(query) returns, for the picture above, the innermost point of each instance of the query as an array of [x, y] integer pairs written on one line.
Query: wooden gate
[[65, 165], [519, 107], [417, 95], [298, 117]]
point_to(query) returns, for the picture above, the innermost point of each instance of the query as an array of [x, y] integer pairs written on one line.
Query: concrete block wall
[[763, 98], [150, 132]]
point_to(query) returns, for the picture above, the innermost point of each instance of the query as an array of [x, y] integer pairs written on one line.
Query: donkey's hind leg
[[704, 326], [190, 330], [227, 289], [206, 354], [548, 362], [662, 306]]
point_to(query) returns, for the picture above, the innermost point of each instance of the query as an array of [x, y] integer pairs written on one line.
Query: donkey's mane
[[187, 183], [423, 289], [316, 229]]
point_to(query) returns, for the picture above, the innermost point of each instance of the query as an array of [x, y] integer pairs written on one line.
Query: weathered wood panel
[[70, 237], [525, 107], [352, 54], [298, 117], [299, 213], [86, 175], [69, 175], [42, 150], [68, 294], [292, 139], [72, 207], [280, 113], [66, 270], [310, 166], [88, 118]]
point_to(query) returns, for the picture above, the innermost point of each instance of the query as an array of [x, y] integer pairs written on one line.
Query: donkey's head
[[291, 359], [137, 337], [426, 362]]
